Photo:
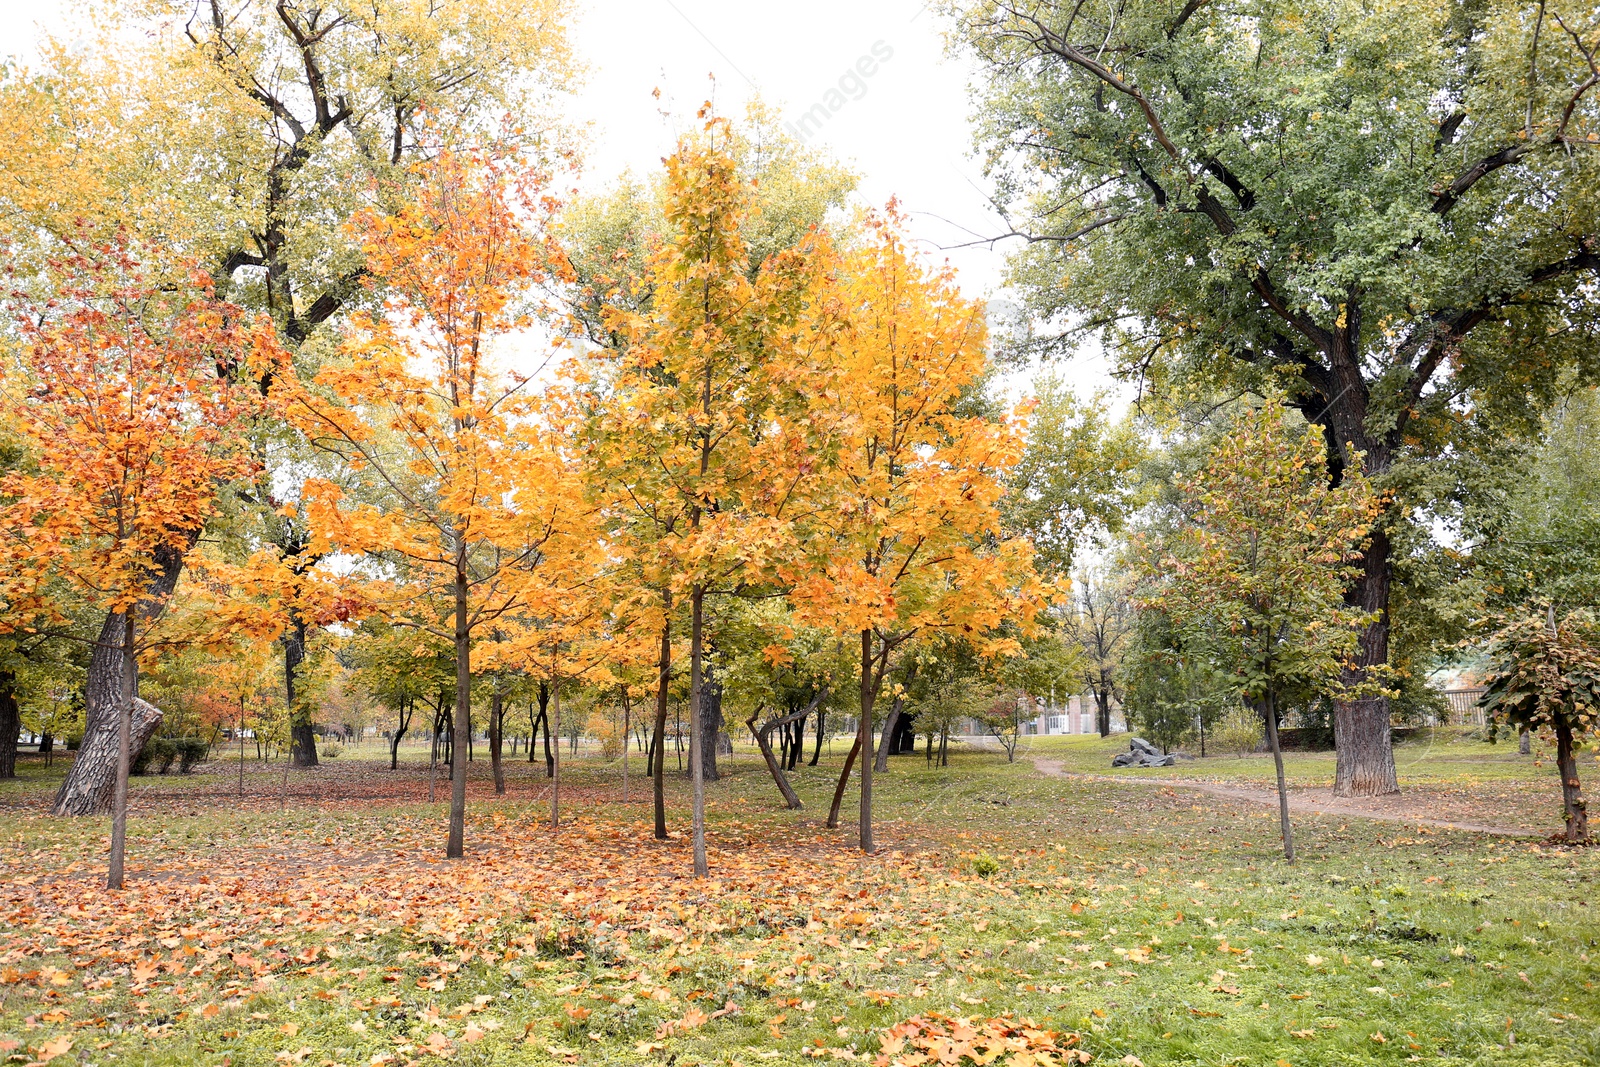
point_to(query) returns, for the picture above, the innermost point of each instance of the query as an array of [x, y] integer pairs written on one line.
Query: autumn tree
[[704, 430], [1259, 570], [133, 390], [466, 477], [1379, 207], [245, 136], [1545, 674], [910, 542]]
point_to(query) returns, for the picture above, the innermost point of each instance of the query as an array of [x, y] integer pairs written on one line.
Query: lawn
[[1119, 921]]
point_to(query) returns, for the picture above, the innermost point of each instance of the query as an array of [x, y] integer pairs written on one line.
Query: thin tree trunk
[[119, 810], [496, 729], [544, 720], [658, 767], [555, 771], [627, 726], [455, 847], [869, 693], [697, 739], [816, 753], [241, 748], [844, 779], [1577, 810], [1269, 712], [433, 759]]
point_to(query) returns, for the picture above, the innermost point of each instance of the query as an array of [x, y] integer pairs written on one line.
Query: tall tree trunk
[[658, 766], [869, 693], [555, 768], [89, 783], [816, 753], [627, 726], [496, 731], [1577, 810], [1364, 763], [697, 739], [1269, 714], [10, 724], [455, 848], [1102, 711], [302, 741], [119, 808]]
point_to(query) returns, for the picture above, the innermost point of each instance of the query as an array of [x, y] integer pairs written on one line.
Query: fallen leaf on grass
[[51, 1049]]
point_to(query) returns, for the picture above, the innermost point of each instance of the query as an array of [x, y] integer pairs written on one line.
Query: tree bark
[[455, 848], [1269, 713], [555, 768], [119, 803], [302, 740], [1576, 809], [869, 695], [100, 754], [10, 725], [658, 766], [88, 785], [405, 721], [1102, 711], [697, 740], [711, 722], [496, 731], [844, 780], [887, 744], [763, 735], [822, 715]]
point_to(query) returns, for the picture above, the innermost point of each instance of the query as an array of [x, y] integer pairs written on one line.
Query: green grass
[[1155, 923]]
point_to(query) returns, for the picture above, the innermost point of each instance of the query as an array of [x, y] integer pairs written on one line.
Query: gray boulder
[[1143, 747]]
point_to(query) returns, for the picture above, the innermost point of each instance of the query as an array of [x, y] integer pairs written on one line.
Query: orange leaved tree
[[911, 542], [134, 390], [703, 443], [464, 492]]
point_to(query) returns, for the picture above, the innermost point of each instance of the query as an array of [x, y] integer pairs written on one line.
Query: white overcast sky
[[904, 130]]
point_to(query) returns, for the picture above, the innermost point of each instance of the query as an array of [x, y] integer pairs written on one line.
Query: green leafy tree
[[1380, 207], [1260, 569]]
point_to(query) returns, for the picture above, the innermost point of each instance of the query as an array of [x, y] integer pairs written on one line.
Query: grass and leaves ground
[[1010, 916]]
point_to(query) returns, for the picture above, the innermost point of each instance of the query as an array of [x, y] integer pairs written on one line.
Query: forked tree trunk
[[1576, 809], [88, 785], [763, 739]]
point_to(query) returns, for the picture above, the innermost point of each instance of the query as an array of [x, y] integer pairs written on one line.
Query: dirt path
[[1318, 801]]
